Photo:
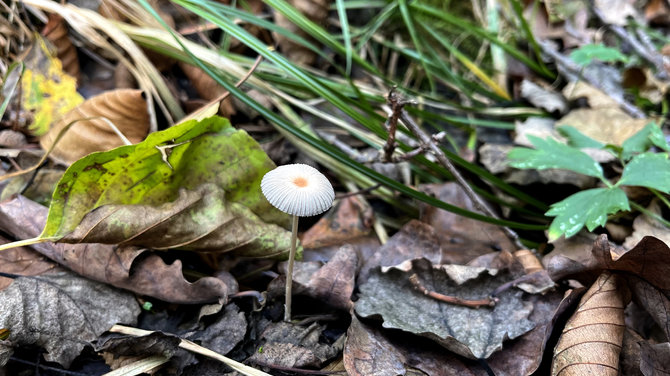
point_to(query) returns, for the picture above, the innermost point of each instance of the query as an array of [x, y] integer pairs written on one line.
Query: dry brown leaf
[[125, 108], [529, 261], [368, 353], [62, 313], [592, 338], [334, 283], [460, 236], [127, 268], [415, 239], [24, 261], [208, 88], [289, 345], [348, 219], [56, 32], [655, 359]]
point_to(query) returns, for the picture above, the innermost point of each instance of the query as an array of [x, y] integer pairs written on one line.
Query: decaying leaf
[[200, 219], [655, 359], [288, 345], [185, 156], [415, 239], [62, 313], [56, 32], [368, 353], [125, 267], [644, 225], [334, 283], [461, 238], [45, 88], [348, 219], [24, 261], [473, 333], [592, 338], [524, 355], [223, 334], [89, 132]]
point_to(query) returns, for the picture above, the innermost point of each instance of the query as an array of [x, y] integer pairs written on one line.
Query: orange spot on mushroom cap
[[300, 182]]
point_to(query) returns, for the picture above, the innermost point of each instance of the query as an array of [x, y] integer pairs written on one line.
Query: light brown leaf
[[592, 338], [125, 108], [334, 283]]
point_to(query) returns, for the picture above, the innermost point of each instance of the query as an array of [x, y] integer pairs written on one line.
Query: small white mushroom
[[302, 191]]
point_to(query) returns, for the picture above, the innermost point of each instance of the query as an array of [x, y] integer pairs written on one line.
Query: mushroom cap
[[298, 189]]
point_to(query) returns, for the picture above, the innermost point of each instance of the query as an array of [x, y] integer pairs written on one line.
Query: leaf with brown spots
[[151, 173]]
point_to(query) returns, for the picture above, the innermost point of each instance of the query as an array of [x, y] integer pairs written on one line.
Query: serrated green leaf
[[194, 153], [651, 170], [589, 52], [578, 139], [549, 153], [590, 207], [641, 141]]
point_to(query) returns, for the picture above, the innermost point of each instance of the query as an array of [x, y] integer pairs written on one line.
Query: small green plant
[[585, 54], [591, 207]]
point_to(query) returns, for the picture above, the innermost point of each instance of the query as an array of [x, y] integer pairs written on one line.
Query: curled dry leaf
[[56, 32], [591, 340], [125, 108], [62, 313], [415, 239], [124, 267]]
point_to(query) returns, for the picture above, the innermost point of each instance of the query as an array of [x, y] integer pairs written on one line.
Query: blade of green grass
[[344, 25], [423, 8], [409, 24]]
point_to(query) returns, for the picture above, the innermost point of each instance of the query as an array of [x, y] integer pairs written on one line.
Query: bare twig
[[429, 143], [392, 125], [488, 301]]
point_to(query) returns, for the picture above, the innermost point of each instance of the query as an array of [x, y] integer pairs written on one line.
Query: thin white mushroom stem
[[289, 272]]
